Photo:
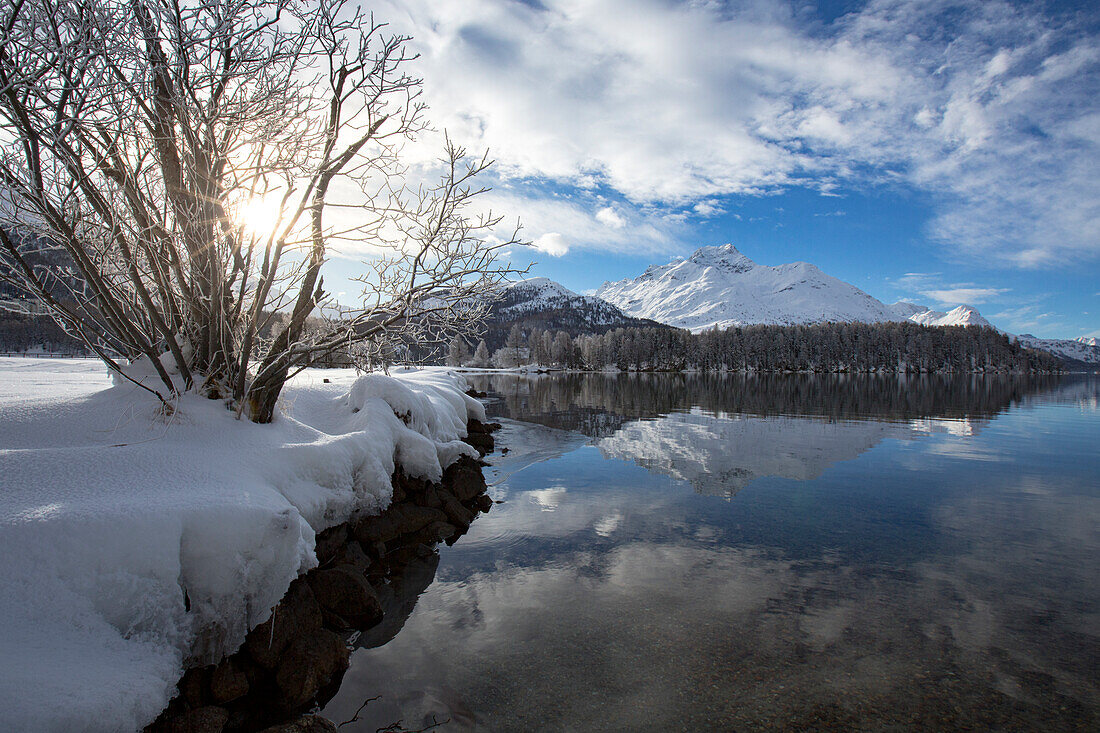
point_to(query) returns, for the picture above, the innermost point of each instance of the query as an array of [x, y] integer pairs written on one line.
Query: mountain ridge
[[720, 287]]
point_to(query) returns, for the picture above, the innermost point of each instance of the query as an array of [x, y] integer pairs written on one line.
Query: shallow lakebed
[[691, 552]]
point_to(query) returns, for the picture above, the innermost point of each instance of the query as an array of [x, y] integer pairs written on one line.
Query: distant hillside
[[542, 304], [1078, 354]]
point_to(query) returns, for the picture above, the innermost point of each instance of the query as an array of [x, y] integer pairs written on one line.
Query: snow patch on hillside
[[116, 518]]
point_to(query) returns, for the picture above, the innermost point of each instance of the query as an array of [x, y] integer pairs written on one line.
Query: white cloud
[[608, 216], [674, 104], [964, 295], [552, 244], [578, 221], [710, 208]]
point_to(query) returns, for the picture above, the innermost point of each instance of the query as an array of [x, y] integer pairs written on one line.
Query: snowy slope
[[540, 294], [131, 538], [544, 305], [720, 286], [904, 310], [1081, 349]]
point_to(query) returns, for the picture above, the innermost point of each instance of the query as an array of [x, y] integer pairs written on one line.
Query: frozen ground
[[129, 537]]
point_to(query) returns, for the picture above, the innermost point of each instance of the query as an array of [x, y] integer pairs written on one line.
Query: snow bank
[[130, 537]]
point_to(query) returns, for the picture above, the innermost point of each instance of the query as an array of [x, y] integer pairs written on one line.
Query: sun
[[259, 216]]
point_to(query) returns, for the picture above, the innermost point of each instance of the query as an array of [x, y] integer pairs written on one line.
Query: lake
[[687, 552]]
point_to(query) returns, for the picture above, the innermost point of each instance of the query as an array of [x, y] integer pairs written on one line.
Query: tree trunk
[[262, 402]]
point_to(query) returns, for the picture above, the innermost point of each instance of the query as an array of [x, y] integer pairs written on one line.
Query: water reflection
[[721, 432], [719, 456], [598, 404], [919, 561]]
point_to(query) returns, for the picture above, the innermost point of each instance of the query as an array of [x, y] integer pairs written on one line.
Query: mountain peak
[[726, 257], [721, 286], [962, 315], [542, 286]]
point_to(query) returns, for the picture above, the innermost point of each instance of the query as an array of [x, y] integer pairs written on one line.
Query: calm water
[[677, 552]]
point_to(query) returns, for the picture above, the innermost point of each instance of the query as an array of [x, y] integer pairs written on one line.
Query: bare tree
[[137, 133]]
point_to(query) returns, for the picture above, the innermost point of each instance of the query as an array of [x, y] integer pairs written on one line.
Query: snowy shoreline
[[138, 543]]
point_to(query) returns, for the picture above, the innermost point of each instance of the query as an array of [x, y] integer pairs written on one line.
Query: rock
[[409, 484], [347, 594], [459, 515], [298, 614], [352, 555], [194, 685], [308, 664], [464, 478], [483, 442], [304, 724], [430, 498], [399, 519], [441, 531], [331, 542], [228, 682], [484, 503], [476, 426], [208, 719]]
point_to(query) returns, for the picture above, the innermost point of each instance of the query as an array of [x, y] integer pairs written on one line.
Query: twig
[[355, 717], [397, 727]]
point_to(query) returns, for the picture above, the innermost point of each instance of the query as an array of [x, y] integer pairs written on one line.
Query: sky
[[935, 151]]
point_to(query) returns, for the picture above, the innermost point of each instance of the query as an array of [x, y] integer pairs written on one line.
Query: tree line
[[905, 348]]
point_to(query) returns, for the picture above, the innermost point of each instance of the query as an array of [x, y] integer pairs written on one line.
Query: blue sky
[[930, 150]]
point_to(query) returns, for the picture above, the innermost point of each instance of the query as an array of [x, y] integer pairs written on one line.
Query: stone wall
[[297, 658]]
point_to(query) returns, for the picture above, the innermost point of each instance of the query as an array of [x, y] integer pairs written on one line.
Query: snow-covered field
[[129, 537]]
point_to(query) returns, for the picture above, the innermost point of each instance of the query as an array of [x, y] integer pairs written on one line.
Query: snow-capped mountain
[[719, 286], [1083, 350], [964, 315], [540, 295]]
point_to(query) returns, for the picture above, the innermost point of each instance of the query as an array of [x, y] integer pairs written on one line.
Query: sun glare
[[260, 215]]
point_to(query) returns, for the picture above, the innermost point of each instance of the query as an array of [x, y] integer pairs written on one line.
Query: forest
[[905, 348]]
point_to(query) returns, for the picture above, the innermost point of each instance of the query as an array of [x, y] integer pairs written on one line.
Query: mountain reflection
[[720, 433]]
